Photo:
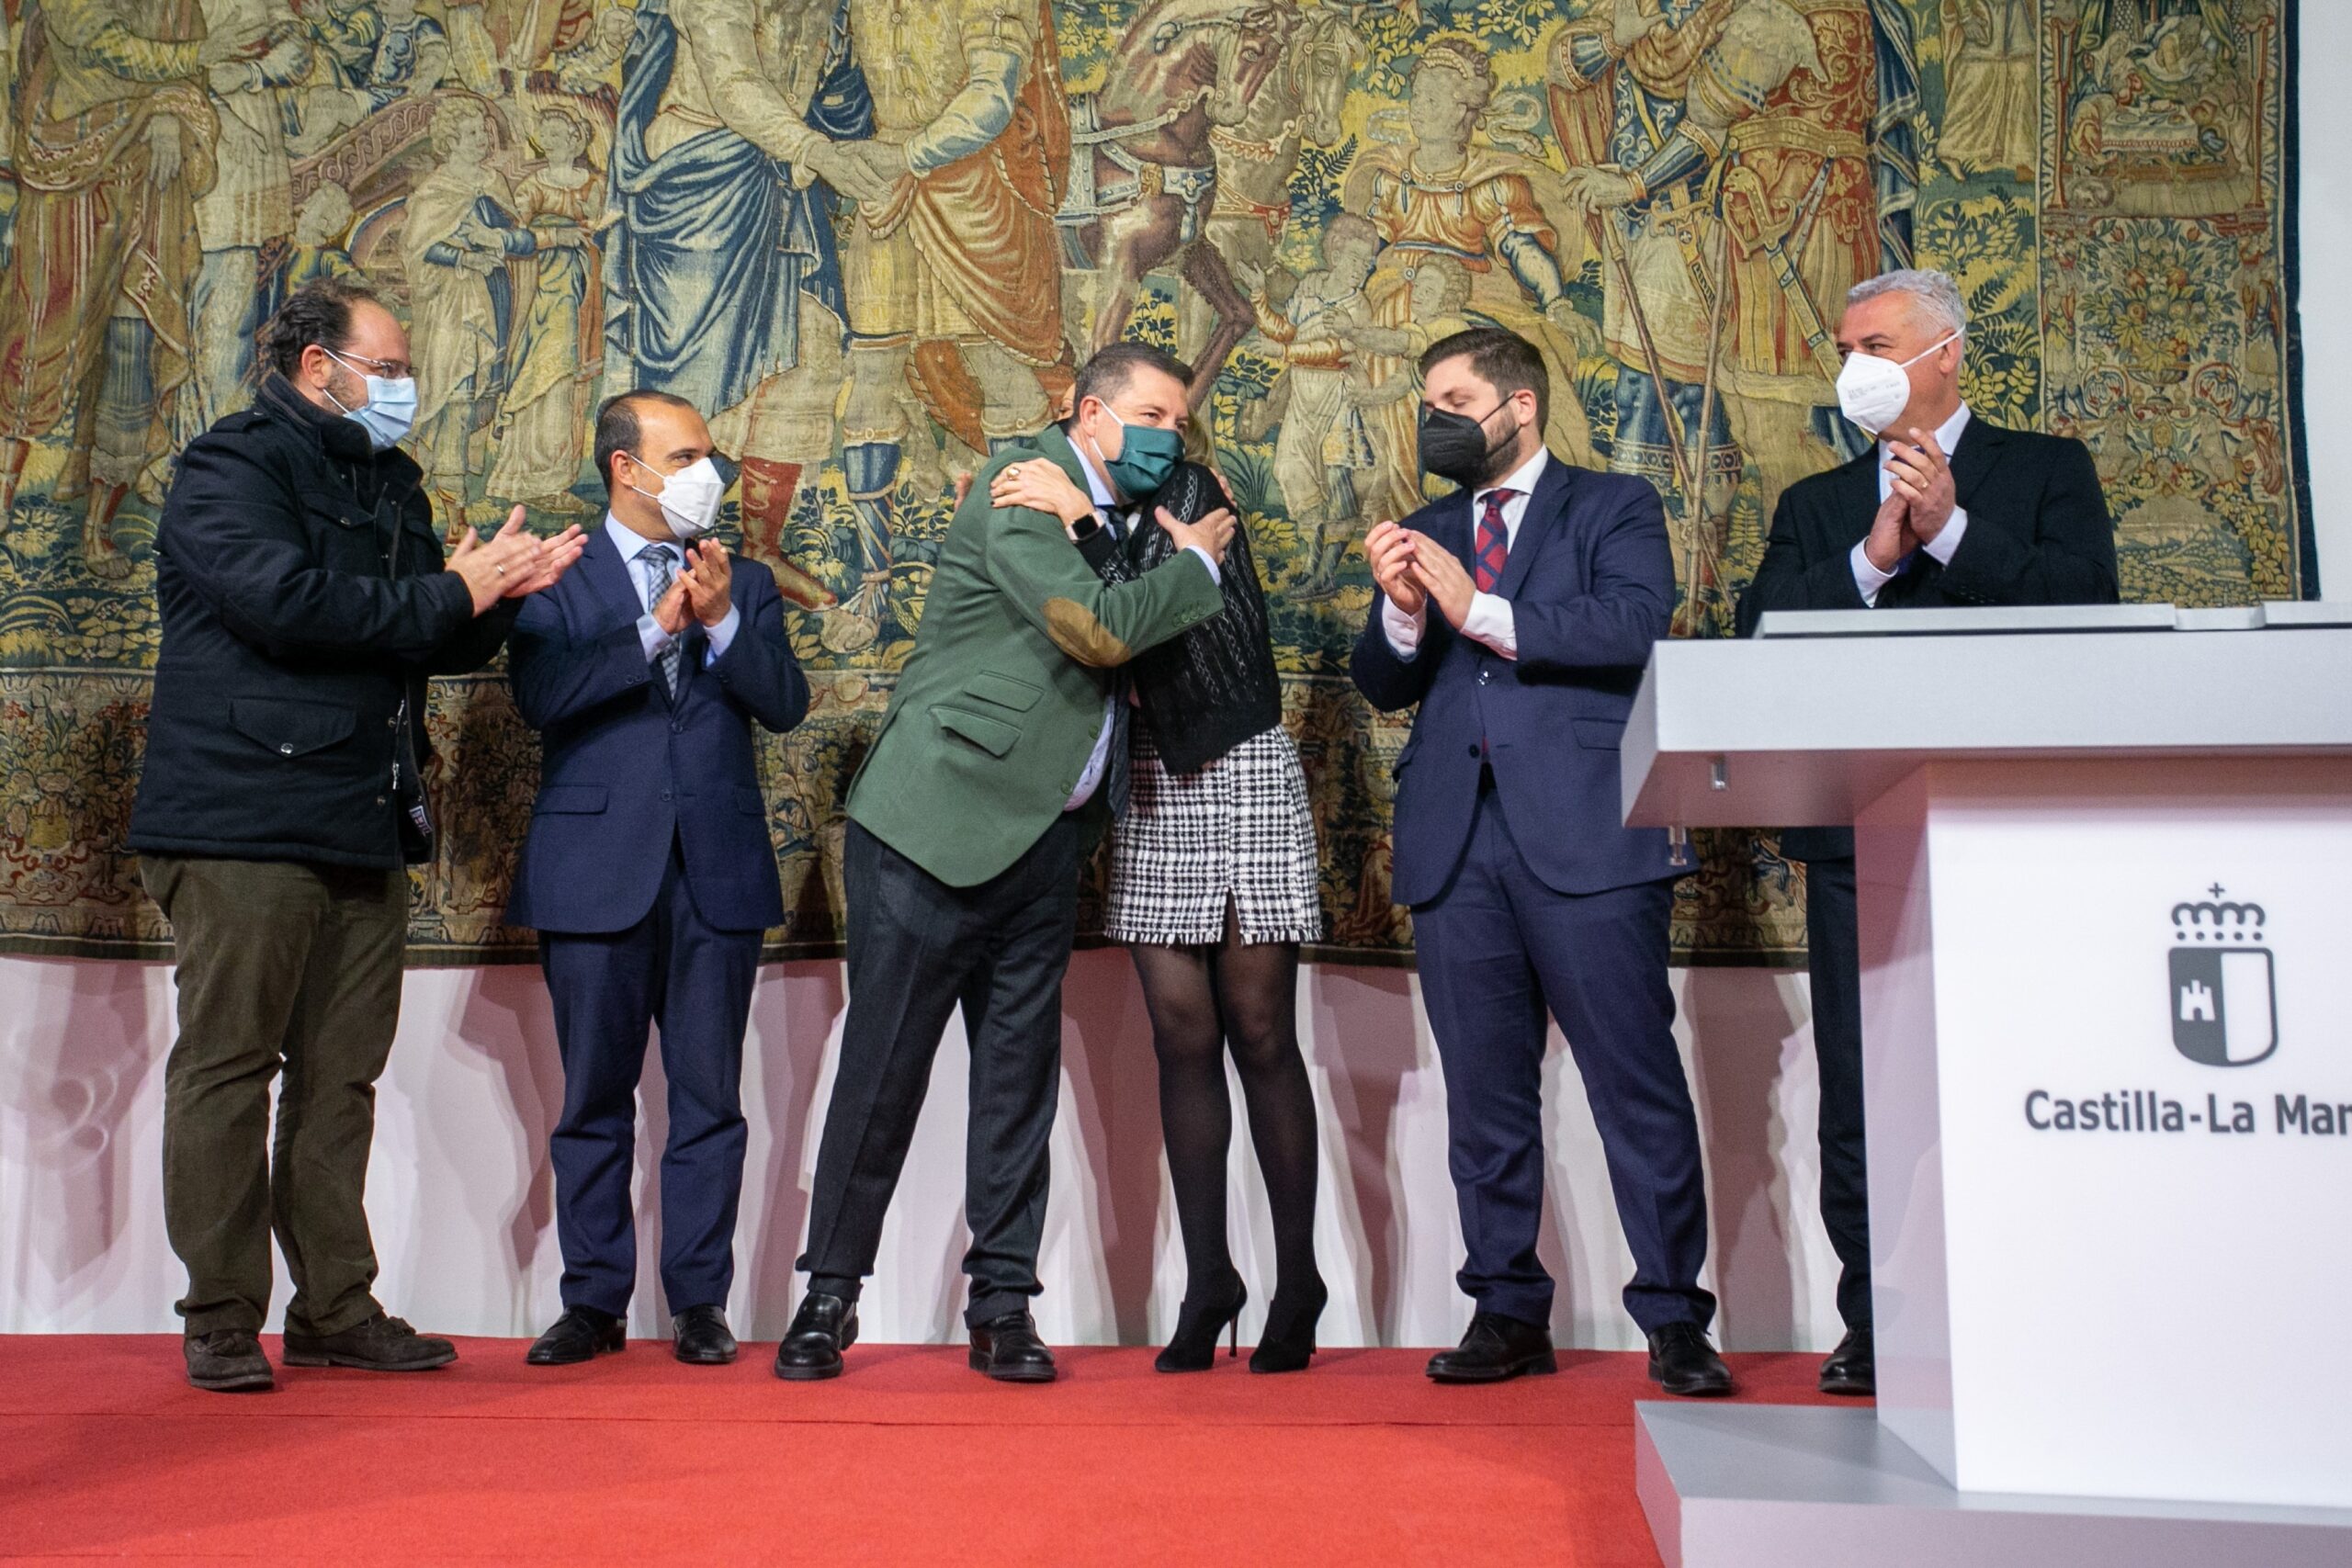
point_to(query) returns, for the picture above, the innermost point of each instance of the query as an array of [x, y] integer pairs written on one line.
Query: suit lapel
[[614, 581], [609, 575], [1858, 498], [1980, 445], [1537, 524]]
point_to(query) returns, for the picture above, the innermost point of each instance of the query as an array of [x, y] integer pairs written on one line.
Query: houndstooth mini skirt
[[1237, 830]]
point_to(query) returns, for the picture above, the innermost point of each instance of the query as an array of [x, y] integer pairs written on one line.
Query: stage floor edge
[[1765, 1486]]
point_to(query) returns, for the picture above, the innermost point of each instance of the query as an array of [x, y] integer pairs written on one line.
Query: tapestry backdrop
[[871, 237]]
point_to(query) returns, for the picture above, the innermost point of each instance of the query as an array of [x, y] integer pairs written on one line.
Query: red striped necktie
[[1494, 540]]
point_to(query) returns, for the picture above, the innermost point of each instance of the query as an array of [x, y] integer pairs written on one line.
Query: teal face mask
[[1148, 454]]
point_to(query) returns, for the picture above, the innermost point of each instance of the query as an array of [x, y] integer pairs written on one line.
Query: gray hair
[[1933, 293]]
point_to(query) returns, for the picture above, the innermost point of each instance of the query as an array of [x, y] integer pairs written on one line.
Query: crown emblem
[[2224, 998], [2215, 920]]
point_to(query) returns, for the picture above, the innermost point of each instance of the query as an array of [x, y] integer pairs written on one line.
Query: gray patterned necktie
[[660, 570]]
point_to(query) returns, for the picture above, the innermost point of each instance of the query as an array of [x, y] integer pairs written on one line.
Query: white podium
[[2105, 870]]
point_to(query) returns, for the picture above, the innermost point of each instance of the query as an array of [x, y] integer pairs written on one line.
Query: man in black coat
[[1945, 510], [304, 600]]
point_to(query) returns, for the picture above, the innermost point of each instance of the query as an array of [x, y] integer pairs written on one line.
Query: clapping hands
[[514, 561]]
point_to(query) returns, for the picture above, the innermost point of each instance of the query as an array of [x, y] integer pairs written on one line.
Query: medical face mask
[[1148, 454], [1873, 393], [689, 498], [390, 409], [1454, 447]]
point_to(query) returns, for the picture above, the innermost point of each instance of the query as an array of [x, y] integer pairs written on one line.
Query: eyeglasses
[[391, 369]]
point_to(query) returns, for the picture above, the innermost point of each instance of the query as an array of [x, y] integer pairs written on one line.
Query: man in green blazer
[[1000, 760]]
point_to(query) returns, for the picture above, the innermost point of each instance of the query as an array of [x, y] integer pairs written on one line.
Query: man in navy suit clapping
[[1519, 613], [648, 872]]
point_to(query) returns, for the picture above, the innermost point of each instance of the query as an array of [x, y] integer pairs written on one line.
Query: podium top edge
[[1981, 620]]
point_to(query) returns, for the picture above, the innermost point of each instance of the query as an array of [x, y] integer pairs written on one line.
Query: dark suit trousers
[[675, 970], [1832, 937], [918, 948], [1497, 948]]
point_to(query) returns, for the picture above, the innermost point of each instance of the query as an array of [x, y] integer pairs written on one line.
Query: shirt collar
[[628, 543], [1105, 497], [1946, 434], [1521, 479]]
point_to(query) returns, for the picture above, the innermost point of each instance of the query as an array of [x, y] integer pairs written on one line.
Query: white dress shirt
[[632, 544], [1868, 578], [1489, 619], [1106, 506]]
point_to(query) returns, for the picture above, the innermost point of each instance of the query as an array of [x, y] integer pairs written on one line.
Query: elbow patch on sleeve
[[1077, 632]]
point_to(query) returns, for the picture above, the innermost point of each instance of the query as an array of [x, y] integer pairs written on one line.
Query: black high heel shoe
[[1194, 1347], [1288, 1343]]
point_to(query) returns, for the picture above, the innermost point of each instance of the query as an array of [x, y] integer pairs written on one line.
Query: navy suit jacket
[[1590, 582], [624, 768]]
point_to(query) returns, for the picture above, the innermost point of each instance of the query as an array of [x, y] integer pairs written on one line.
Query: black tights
[[1203, 999]]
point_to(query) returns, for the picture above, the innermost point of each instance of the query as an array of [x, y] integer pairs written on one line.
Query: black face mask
[[1454, 447]]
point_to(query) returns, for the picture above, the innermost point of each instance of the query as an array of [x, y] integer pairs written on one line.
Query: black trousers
[[1832, 937], [1499, 949], [917, 949], [675, 971]]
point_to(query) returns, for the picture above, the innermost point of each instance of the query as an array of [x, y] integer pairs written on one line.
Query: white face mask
[[1873, 393], [390, 408], [689, 498]]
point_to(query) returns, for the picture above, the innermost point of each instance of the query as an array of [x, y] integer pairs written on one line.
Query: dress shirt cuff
[[1948, 539], [1404, 631], [1214, 575], [1491, 622], [1868, 578], [650, 634], [720, 636]]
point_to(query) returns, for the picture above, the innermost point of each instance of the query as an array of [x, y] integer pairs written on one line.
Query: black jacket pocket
[[291, 728]]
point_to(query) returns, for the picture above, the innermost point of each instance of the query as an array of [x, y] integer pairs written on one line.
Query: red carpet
[[911, 1458]]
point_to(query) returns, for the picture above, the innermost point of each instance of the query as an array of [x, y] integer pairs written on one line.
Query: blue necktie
[[660, 570]]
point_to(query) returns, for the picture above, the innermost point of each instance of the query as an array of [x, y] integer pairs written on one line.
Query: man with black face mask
[[1000, 760], [1519, 613]]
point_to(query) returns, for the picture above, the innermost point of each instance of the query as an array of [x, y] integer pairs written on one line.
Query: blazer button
[[666, 794], [1473, 751], [381, 801], [393, 723], [287, 750]]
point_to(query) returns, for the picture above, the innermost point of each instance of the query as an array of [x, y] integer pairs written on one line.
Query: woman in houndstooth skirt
[[1213, 885]]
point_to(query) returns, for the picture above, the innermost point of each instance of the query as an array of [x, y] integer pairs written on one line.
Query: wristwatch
[[1087, 527]]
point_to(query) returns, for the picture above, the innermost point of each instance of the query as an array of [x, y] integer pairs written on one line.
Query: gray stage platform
[[1763, 1486]]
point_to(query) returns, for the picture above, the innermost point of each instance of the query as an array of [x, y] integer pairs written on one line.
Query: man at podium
[[1943, 509]]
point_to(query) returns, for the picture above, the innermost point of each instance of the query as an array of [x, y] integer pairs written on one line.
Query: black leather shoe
[[581, 1334], [700, 1337], [1496, 1349], [1681, 1361], [383, 1344], [227, 1360], [1852, 1368], [823, 1327], [1008, 1349]]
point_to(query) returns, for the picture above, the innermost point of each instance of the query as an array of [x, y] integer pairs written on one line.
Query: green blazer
[[999, 704]]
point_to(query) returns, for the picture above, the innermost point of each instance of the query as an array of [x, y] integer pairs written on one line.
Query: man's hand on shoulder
[[1211, 534]]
